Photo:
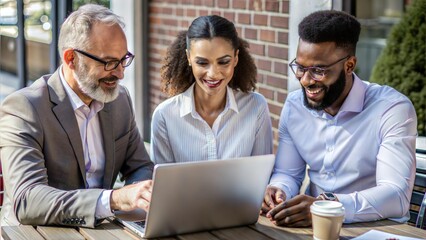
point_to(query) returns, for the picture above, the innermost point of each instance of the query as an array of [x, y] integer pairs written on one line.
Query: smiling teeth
[[314, 92], [212, 82]]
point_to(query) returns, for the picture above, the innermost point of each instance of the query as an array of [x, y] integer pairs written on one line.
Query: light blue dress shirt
[[179, 134], [365, 153]]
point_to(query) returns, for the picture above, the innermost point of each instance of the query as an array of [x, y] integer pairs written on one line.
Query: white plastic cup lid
[[329, 208]]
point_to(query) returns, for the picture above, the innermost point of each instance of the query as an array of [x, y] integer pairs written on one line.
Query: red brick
[[179, 11], [267, 93], [154, 20], [277, 52], [202, 12], [166, 10], [154, 10], [169, 22], [216, 12], [258, 49], [185, 24], [239, 30], [208, 3], [280, 68], [260, 78], [267, 35], [264, 65], [272, 6], [275, 109], [285, 7], [260, 20], [256, 5], [223, 3], [283, 37], [191, 13], [230, 16], [281, 97], [155, 59], [275, 122], [278, 82], [239, 4], [153, 30], [250, 33], [244, 18], [276, 138], [153, 40], [280, 22]]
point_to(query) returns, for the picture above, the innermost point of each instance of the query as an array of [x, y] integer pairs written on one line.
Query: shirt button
[[330, 149]]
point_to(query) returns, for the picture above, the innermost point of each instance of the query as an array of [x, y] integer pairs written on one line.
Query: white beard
[[90, 86]]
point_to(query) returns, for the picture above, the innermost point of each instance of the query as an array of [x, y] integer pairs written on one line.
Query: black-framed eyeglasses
[[316, 73], [113, 64]]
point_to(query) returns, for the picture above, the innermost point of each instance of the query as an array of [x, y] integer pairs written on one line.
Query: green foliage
[[402, 64], [78, 3]]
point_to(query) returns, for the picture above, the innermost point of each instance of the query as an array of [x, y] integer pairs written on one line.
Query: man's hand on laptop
[[294, 212], [130, 197], [273, 197]]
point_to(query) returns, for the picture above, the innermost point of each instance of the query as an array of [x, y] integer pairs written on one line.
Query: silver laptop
[[198, 196]]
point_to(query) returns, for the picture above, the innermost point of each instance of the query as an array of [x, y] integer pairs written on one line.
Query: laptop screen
[[196, 196]]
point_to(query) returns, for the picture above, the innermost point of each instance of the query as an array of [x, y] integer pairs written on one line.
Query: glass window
[[8, 61], [38, 38]]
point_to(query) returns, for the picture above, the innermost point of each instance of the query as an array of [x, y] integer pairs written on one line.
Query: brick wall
[[263, 23]]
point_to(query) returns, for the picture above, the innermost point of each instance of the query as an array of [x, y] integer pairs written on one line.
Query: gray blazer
[[42, 155]]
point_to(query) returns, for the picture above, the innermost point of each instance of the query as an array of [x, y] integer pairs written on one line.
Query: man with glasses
[[358, 138], [65, 139]]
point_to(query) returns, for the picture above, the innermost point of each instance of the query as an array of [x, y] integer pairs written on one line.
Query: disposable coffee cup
[[327, 219]]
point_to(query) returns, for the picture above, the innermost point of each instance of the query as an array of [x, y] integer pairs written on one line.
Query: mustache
[[112, 78], [314, 86]]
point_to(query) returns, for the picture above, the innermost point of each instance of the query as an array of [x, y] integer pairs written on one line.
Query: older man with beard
[[65, 138], [357, 138]]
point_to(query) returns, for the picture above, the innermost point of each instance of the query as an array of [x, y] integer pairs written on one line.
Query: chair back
[[418, 198], [421, 221]]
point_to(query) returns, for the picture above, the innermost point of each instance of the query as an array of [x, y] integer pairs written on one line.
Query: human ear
[[68, 56], [187, 57], [236, 57], [350, 64]]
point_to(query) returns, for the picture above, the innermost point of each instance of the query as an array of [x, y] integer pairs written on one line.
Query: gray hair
[[75, 30]]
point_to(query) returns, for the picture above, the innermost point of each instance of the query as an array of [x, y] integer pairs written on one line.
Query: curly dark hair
[[331, 26], [176, 73]]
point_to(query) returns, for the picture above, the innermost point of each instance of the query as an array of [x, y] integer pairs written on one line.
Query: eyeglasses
[[113, 64], [316, 73]]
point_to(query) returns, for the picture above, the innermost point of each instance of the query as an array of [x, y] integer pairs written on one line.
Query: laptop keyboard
[[140, 224], [136, 227]]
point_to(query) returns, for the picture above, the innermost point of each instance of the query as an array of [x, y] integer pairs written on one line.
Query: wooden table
[[261, 230]]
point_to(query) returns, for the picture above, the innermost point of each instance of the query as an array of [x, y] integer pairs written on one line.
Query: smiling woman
[[211, 76]]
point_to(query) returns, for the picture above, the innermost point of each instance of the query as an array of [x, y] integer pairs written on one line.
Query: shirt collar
[[188, 102], [354, 102], [75, 100]]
